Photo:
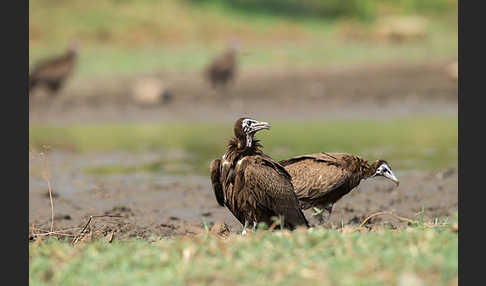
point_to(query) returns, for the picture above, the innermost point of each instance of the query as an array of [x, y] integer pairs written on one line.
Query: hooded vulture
[[322, 179], [252, 185], [53, 72], [222, 69]]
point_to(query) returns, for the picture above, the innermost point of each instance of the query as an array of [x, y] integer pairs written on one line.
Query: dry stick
[[66, 229], [33, 228], [53, 232], [46, 177], [80, 235], [275, 224], [52, 204], [58, 232], [388, 213]]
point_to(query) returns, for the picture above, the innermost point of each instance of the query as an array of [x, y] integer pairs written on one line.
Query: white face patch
[[250, 126], [384, 168], [385, 171], [246, 125]]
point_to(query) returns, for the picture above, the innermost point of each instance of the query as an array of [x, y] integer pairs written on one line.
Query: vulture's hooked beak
[[392, 177], [256, 126], [259, 125]]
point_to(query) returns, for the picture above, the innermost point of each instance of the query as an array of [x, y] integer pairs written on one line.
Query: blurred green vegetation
[[414, 256], [420, 143], [132, 37], [332, 9]]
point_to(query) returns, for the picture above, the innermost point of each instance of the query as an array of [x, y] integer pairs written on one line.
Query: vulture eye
[[246, 125]]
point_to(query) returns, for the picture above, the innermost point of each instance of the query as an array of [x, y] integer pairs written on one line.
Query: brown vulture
[[322, 179], [222, 69], [252, 185], [53, 72]]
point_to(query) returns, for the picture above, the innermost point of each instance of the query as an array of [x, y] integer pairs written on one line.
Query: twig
[[388, 213], [66, 229], [33, 228], [276, 222], [81, 233], [46, 177], [46, 232], [52, 232], [273, 226]]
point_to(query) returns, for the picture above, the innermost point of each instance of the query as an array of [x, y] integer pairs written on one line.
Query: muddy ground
[[160, 204]]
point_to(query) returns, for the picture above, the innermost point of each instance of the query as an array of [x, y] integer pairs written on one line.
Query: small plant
[[205, 225], [262, 226], [320, 214]]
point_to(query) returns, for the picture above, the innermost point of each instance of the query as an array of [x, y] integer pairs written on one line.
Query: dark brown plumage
[[222, 69], [250, 184], [322, 179], [52, 73]]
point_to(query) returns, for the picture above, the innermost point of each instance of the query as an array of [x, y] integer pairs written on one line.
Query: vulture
[[321, 179], [53, 72], [222, 69], [252, 185]]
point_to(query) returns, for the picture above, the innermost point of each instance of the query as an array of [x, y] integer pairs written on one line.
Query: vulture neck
[[229, 55], [237, 148], [71, 54], [370, 170]]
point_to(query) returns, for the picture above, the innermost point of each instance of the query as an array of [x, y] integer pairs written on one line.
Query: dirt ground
[[156, 204]]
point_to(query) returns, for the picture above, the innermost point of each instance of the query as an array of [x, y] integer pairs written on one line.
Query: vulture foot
[[244, 228]]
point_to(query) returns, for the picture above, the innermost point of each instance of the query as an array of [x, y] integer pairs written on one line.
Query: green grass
[[423, 143], [303, 257], [132, 37], [321, 51]]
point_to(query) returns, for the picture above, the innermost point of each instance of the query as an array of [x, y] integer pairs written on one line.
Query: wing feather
[[272, 188], [316, 175], [216, 181]]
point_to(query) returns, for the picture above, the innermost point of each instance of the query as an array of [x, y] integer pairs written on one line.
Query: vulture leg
[[54, 87], [254, 225], [328, 208], [244, 228]]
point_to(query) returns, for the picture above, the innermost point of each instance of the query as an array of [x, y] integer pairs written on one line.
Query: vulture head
[[233, 46], [74, 46], [245, 128], [381, 168]]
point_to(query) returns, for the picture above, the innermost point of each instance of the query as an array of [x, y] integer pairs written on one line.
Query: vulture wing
[[216, 181], [270, 185], [53, 68], [315, 176]]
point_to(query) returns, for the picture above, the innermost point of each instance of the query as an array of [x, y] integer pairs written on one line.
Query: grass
[[310, 257], [423, 143], [132, 37]]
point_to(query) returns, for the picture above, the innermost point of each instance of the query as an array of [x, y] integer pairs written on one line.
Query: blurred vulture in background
[[53, 72], [222, 69], [151, 92], [250, 184], [321, 179]]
